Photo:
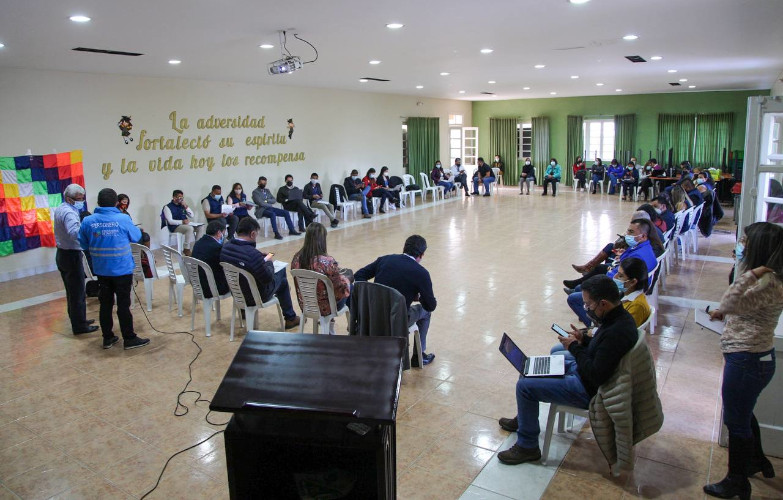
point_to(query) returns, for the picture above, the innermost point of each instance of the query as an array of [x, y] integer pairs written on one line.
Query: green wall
[[645, 106]]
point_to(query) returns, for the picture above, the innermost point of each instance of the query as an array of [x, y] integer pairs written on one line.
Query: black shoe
[[382, 211], [427, 358], [90, 321], [293, 233], [109, 343], [486, 194], [278, 236], [291, 323], [89, 329], [476, 193], [135, 342], [570, 283], [509, 424], [569, 291], [544, 193], [761, 465], [334, 223], [553, 194], [517, 455], [732, 485]]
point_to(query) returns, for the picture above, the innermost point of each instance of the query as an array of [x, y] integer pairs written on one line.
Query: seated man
[[594, 361], [213, 209], [357, 191], [265, 207], [405, 274], [313, 193], [207, 249], [638, 240], [241, 252], [291, 198], [177, 216], [483, 174], [458, 175]]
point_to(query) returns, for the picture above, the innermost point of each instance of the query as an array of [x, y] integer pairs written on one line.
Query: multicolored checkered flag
[[31, 189]]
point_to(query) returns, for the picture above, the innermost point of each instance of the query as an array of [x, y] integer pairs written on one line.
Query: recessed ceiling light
[[683, 79], [630, 37], [363, 80], [419, 86], [553, 93], [599, 84], [525, 88], [486, 51], [672, 71], [491, 81], [574, 77], [375, 61], [266, 46], [2, 45], [578, 1], [461, 91], [691, 86], [394, 26], [540, 66], [656, 58], [444, 73], [618, 90], [79, 19], [174, 61]]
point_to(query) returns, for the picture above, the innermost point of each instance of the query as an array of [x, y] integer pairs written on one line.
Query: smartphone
[[269, 256], [557, 329]]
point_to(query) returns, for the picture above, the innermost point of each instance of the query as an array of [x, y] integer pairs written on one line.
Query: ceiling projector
[[288, 64]]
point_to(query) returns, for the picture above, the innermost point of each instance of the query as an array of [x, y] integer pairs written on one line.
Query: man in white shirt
[[177, 216], [458, 175]]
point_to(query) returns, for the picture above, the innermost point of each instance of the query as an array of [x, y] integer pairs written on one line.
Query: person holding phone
[[751, 307]]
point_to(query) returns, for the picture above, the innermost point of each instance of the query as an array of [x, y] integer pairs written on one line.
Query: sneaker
[[278, 236], [427, 358], [109, 343], [509, 424], [517, 455], [135, 342], [290, 323]]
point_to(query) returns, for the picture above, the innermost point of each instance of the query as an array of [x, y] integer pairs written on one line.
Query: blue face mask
[[620, 284], [739, 251], [78, 205], [630, 241], [220, 240]]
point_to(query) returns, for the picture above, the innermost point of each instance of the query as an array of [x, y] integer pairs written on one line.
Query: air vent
[[374, 79], [635, 59], [675, 84], [571, 48], [105, 51], [488, 93]]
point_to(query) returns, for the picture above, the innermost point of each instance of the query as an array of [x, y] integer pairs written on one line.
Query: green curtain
[[575, 146], [713, 135], [423, 145], [675, 132], [503, 141], [624, 137], [541, 146]]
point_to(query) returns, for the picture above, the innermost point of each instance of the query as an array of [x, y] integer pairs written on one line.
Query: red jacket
[[372, 183]]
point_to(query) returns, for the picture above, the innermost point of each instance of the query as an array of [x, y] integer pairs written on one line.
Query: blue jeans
[[745, 375], [448, 186], [486, 180], [577, 304], [597, 180], [612, 183], [417, 314], [273, 213], [559, 349], [361, 197], [283, 293], [567, 390]]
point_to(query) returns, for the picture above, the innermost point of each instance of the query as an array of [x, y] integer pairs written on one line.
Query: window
[[524, 140], [599, 139], [455, 143], [405, 146], [455, 120]]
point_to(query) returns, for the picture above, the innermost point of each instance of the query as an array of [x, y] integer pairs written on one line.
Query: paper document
[[226, 209], [279, 265], [196, 224], [703, 319]]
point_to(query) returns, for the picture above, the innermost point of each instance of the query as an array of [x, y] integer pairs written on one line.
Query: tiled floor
[[80, 422]]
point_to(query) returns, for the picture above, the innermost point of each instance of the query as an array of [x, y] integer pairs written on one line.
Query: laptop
[[533, 366]]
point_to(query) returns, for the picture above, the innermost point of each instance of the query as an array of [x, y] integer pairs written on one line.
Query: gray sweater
[[752, 308]]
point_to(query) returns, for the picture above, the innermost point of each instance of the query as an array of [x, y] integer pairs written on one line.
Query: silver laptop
[[533, 366]]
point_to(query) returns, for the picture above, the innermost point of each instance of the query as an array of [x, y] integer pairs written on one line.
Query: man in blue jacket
[[405, 274], [107, 234]]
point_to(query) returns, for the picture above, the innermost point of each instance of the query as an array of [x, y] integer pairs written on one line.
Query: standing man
[[213, 210], [483, 174], [176, 216], [315, 195], [107, 234], [458, 175], [405, 274], [69, 257], [265, 207], [291, 198]]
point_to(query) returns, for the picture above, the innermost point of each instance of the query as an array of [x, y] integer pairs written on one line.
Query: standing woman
[[751, 306], [238, 198], [527, 176]]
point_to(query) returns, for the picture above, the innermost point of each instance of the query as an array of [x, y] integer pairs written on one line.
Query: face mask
[[658, 211], [386, 175], [262, 186], [355, 177], [593, 316], [739, 251], [527, 163], [78, 205], [216, 196], [220, 240], [497, 158], [437, 165], [289, 183], [237, 192], [620, 284], [630, 240], [699, 181], [313, 181], [372, 176], [552, 163]]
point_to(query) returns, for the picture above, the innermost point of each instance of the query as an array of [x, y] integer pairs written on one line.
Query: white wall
[[335, 130], [777, 87]]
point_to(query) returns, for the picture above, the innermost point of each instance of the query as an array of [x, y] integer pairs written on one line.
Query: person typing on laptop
[[595, 360]]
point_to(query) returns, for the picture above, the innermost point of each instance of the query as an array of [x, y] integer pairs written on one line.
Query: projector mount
[[288, 63]]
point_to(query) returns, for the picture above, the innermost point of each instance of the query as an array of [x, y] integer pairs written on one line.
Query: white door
[[470, 148]]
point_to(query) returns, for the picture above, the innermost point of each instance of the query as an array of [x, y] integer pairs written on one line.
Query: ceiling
[[714, 44]]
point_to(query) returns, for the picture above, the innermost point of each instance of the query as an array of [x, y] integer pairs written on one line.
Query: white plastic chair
[[345, 206], [408, 180], [649, 321], [88, 276], [680, 238], [600, 184], [427, 188], [306, 282], [177, 282], [652, 298], [192, 267], [693, 231], [498, 180], [166, 238], [138, 271], [233, 274]]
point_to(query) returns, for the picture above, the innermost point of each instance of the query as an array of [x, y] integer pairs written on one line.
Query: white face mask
[[313, 181], [372, 176], [552, 163], [527, 163], [497, 158], [237, 191]]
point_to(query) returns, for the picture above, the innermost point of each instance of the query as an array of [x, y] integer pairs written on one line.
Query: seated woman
[[438, 178], [376, 190], [598, 172], [630, 180], [527, 176], [580, 173], [659, 223], [615, 173], [385, 182], [238, 198], [313, 257], [646, 180]]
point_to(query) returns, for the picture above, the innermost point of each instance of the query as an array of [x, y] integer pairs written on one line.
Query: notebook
[[533, 366]]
